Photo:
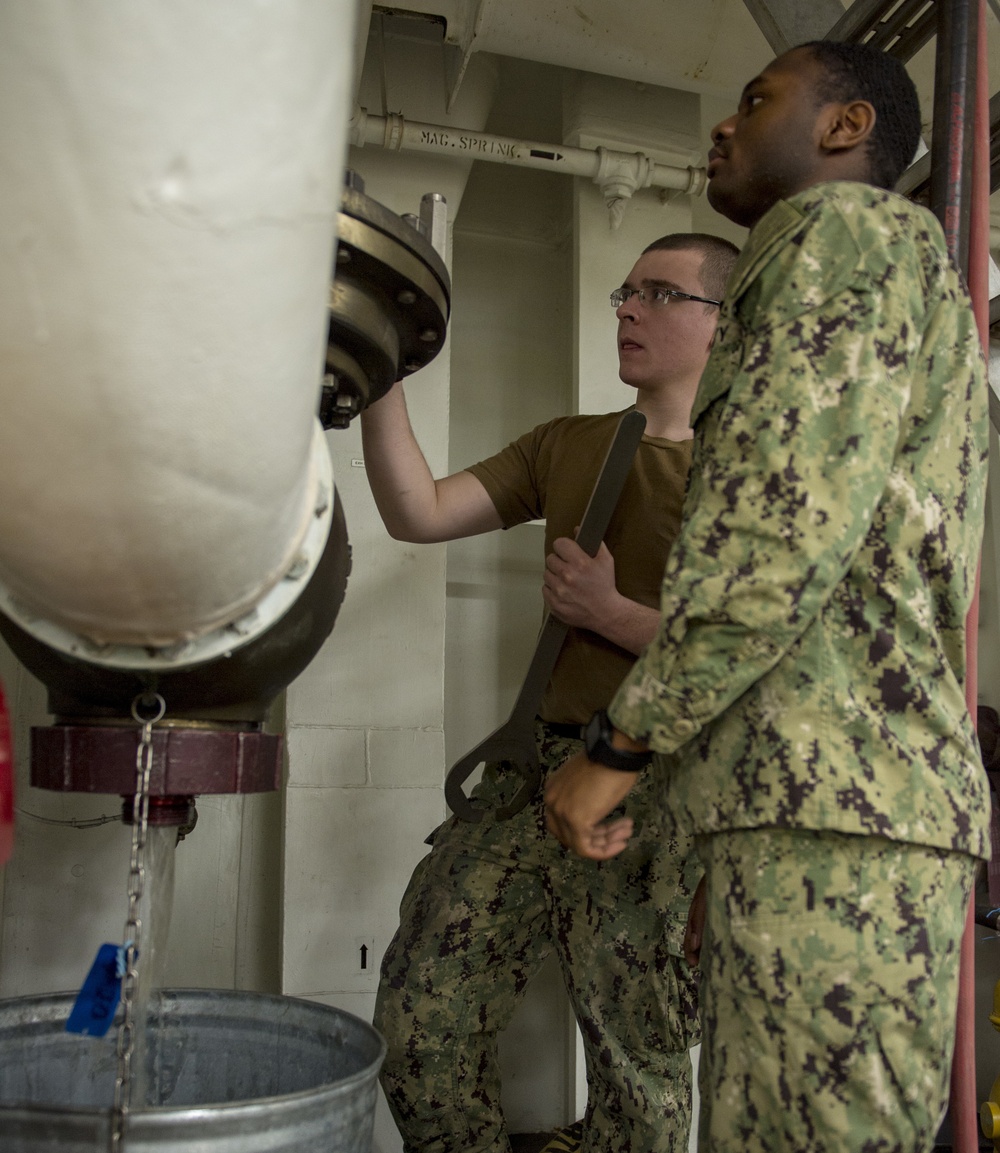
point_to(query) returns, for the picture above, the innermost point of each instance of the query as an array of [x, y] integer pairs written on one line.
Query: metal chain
[[133, 925]]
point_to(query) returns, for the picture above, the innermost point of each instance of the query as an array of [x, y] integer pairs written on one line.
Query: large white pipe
[[168, 193]]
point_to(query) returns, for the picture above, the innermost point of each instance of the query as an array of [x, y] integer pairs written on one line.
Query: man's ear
[[849, 126]]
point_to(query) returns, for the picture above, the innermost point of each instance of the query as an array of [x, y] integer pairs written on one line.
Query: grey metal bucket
[[229, 1072]]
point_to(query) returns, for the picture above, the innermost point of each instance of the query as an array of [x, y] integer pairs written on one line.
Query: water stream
[[155, 909]]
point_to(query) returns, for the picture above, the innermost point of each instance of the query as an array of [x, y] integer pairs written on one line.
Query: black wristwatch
[[598, 747]]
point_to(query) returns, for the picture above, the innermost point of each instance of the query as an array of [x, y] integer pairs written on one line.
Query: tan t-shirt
[[550, 472]]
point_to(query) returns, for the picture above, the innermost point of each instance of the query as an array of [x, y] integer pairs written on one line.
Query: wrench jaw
[[517, 750], [462, 806]]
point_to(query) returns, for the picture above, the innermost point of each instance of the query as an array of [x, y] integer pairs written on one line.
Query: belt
[[564, 729]]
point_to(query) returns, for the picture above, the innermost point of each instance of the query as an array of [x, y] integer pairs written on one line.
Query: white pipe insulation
[[170, 184], [619, 174]]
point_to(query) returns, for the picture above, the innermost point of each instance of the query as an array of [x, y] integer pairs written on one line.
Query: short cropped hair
[[860, 72], [718, 257]]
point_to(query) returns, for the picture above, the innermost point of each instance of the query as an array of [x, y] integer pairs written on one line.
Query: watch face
[[598, 747], [593, 735]]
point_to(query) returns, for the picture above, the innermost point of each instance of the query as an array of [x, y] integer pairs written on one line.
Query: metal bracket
[[786, 23], [457, 56]]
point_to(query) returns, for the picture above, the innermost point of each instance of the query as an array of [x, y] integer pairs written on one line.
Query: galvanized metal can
[[227, 1072]]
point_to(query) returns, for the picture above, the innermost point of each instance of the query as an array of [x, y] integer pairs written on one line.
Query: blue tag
[[96, 1002]]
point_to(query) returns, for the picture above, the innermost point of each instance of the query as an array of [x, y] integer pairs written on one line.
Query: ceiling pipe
[[618, 174]]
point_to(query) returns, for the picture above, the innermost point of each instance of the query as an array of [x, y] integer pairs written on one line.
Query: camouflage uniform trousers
[[829, 988], [482, 911]]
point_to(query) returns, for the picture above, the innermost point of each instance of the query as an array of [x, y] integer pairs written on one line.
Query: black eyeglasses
[[656, 297]]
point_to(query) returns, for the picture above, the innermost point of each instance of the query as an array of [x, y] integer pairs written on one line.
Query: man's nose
[[628, 309], [724, 129]]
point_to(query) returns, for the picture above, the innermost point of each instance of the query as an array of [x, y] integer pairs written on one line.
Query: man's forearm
[[631, 626], [581, 590], [413, 505], [397, 471]]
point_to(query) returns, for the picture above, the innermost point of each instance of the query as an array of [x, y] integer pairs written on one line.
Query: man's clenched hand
[[578, 797]]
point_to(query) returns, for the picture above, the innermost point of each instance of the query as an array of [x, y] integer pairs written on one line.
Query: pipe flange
[[187, 761], [390, 298]]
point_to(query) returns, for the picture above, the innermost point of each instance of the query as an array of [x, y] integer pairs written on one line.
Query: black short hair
[[718, 257], [860, 72]]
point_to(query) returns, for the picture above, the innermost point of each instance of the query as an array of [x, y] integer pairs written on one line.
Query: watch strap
[[598, 747]]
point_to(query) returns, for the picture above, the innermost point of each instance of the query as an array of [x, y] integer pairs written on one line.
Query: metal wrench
[[514, 740]]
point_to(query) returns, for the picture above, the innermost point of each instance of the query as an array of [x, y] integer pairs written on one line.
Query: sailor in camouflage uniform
[[804, 694], [493, 899]]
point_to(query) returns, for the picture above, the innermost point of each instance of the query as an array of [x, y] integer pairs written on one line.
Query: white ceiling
[[705, 46], [697, 45]]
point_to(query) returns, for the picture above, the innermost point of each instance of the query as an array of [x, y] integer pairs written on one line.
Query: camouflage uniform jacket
[[809, 663]]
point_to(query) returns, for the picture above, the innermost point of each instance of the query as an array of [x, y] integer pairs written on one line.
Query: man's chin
[[738, 205], [715, 194]]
